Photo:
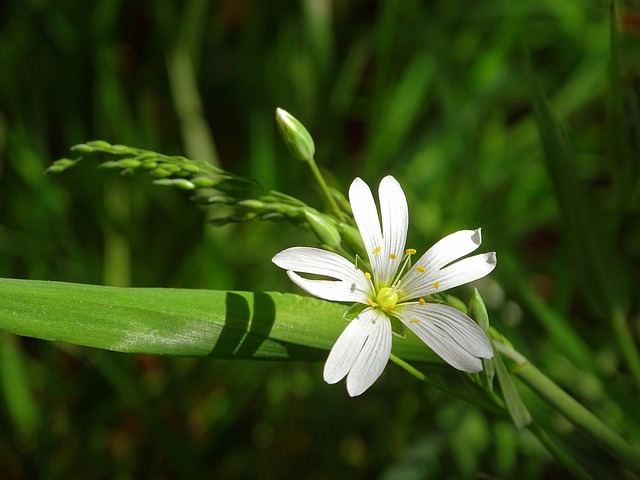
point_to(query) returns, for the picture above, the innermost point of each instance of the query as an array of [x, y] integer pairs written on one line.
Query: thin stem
[[558, 453], [572, 410], [626, 343], [493, 407], [325, 189]]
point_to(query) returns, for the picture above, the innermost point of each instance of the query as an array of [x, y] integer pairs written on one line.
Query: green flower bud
[[99, 144], [326, 232], [110, 165], [170, 167], [159, 172], [353, 240], [478, 311], [55, 169], [129, 163], [183, 184], [64, 162], [82, 148], [203, 182], [190, 167], [251, 204], [149, 164], [295, 136], [120, 149], [147, 156]]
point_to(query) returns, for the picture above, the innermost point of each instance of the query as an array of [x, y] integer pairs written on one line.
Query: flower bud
[[99, 144], [82, 148], [129, 163], [295, 135], [353, 240], [478, 311], [203, 182], [323, 229]]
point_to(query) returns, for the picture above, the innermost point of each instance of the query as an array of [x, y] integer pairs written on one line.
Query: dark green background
[[436, 93]]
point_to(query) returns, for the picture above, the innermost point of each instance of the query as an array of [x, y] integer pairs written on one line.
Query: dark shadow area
[[245, 329], [262, 320], [236, 323]]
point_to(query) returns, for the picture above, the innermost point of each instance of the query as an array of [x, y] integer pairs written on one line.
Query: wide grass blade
[[161, 321]]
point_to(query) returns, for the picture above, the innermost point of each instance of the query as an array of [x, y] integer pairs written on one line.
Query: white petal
[[421, 284], [351, 285], [345, 351], [384, 244], [446, 250], [366, 214], [361, 352], [395, 223], [449, 333]]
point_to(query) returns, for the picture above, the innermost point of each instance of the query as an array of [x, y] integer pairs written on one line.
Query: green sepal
[[353, 311], [398, 328]]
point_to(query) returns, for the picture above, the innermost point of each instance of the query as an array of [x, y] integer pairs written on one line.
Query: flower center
[[387, 298]]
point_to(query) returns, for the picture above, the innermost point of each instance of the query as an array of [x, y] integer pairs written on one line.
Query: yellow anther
[[436, 285], [393, 256], [420, 269], [414, 320], [421, 302], [410, 251], [372, 303], [368, 275], [387, 298], [376, 250]]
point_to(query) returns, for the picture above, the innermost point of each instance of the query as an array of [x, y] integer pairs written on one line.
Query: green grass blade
[[160, 321], [581, 225], [516, 407]]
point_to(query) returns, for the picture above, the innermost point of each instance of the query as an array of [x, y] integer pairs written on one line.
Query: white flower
[[393, 288]]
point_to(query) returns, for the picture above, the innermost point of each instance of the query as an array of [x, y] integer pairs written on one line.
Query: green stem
[[626, 343], [492, 407], [558, 453], [325, 188], [573, 411]]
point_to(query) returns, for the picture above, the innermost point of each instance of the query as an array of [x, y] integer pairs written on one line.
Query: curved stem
[[474, 400], [325, 189], [572, 410]]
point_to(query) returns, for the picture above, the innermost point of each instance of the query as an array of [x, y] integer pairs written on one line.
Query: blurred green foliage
[[436, 93]]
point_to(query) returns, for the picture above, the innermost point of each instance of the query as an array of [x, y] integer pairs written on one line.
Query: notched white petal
[[452, 247], [374, 355], [332, 290], [351, 284], [345, 351], [395, 223], [421, 284], [360, 353], [450, 333], [365, 214]]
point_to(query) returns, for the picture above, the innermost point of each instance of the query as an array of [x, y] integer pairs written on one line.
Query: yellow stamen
[[421, 302], [410, 251], [393, 256], [436, 285], [372, 303], [368, 275], [420, 269], [414, 320], [376, 250]]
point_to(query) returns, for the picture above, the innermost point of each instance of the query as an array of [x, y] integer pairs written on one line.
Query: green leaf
[[162, 321], [595, 257], [517, 409]]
